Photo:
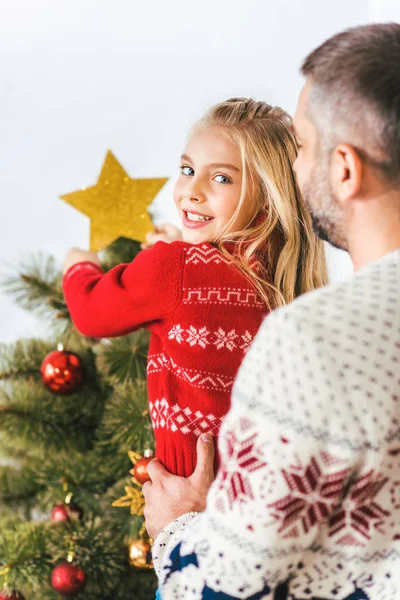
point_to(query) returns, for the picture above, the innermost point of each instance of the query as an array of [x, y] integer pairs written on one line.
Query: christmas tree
[[68, 418]]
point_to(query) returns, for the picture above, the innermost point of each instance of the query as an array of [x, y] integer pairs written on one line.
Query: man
[[306, 504]]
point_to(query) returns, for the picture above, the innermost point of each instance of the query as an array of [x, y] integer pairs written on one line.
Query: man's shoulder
[[372, 290], [319, 306], [318, 362]]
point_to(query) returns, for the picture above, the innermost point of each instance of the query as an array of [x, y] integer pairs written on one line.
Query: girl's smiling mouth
[[194, 219]]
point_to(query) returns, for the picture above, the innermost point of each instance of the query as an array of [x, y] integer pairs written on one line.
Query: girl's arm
[[140, 294]]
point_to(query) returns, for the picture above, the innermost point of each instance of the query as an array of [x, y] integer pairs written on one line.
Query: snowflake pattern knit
[[306, 505], [203, 314]]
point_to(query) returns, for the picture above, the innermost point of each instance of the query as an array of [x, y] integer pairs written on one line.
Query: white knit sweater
[[306, 504]]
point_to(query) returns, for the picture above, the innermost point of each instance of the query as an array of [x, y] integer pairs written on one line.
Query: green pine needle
[[126, 421], [124, 359]]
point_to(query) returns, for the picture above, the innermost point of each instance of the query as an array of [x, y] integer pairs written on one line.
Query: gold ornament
[[134, 500], [116, 205], [134, 456], [140, 554]]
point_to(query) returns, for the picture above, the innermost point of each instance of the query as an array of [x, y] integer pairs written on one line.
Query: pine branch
[[100, 551], [10, 519], [32, 418], [31, 414], [126, 421], [97, 550], [17, 484], [123, 250], [23, 359], [36, 286], [84, 475], [29, 552], [40, 426], [124, 359], [24, 557], [9, 454]]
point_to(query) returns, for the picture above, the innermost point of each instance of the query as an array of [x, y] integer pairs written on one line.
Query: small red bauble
[[12, 596], [140, 469], [68, 579], [66, 512], [62, 372]]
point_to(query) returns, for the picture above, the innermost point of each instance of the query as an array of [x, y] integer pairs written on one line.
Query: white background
[[80, 76]]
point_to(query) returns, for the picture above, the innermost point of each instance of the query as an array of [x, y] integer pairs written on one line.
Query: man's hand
[[75, 255], [169, 496], [165, 233]]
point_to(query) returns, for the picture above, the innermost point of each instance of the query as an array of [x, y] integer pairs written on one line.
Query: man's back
[[308, 494]]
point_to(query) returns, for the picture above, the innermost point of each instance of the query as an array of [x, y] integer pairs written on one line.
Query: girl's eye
[[222, 179], [188, 171]]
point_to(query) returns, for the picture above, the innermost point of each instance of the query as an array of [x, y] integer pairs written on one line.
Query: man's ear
[[346, 172]]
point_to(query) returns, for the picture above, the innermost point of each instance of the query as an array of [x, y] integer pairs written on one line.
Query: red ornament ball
[[140, 469], [62, 372], [68, 579], [12, 596], [67, 512]]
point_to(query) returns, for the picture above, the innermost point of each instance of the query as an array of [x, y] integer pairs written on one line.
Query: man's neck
[[374, 233]]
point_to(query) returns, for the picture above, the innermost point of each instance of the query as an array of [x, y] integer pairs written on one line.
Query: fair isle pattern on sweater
[[181, 418], [158, 363], [203, 315], [306, 505], [234, 296], [206, 254], [202, 336]]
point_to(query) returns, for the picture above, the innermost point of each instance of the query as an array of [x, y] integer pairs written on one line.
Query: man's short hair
[[355, 93]]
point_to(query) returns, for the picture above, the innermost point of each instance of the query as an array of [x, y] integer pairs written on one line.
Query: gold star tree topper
[[116, 205]]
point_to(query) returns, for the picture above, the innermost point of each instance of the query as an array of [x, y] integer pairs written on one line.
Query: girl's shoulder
[[195, 258], [172, 247], [203, 253], [162, 250]]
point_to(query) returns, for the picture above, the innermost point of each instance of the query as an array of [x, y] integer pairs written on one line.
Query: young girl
[[247, 248]]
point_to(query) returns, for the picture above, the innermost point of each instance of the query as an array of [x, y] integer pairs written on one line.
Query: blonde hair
[[278, 250]]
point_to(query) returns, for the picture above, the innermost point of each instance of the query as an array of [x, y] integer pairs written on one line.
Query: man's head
[[348, 125]]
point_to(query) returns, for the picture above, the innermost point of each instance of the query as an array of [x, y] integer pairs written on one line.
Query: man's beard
[[321, 231], [322, 204]]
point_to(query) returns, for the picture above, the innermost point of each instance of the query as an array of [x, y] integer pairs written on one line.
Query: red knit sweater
[[202, 313]]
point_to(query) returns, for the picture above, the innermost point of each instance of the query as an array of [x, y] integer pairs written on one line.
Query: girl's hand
[[75, 255], [165, 233]]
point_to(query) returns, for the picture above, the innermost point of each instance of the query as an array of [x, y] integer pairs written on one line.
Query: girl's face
[[208, 190]]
